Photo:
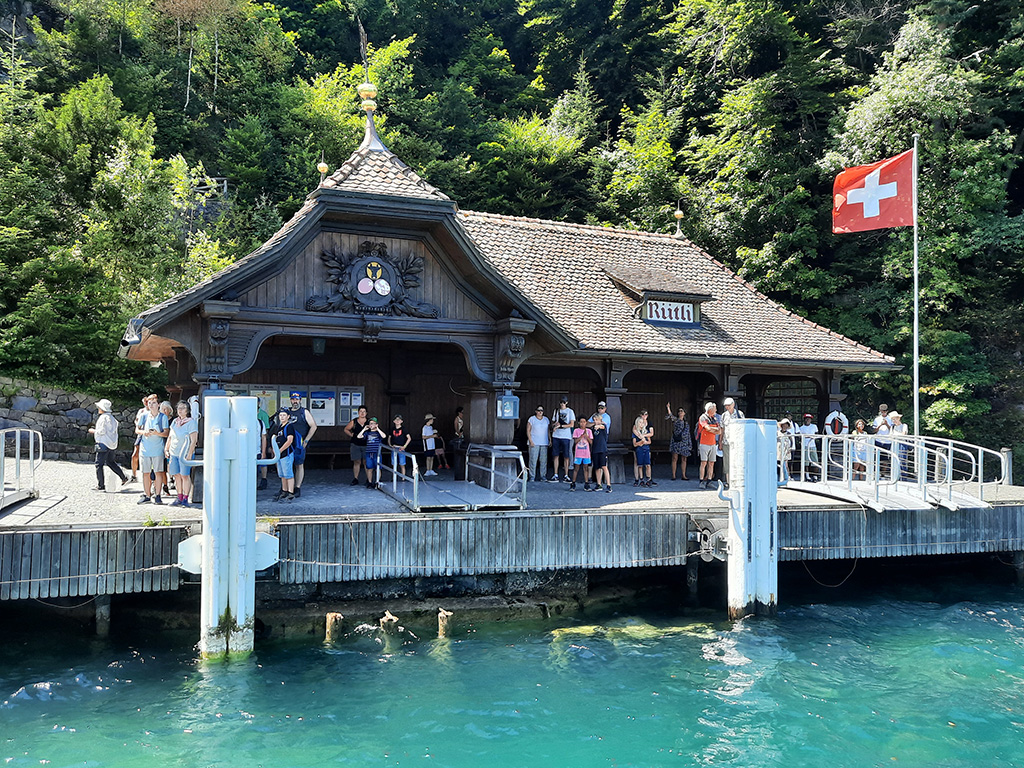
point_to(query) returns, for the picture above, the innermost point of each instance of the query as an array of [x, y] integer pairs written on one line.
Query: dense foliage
[[117, 113]]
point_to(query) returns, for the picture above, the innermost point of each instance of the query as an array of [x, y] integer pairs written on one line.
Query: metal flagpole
[[917, 313]]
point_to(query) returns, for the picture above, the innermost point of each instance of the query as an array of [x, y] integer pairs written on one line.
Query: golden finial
[[367, 92], [679, 218], [322, 167]]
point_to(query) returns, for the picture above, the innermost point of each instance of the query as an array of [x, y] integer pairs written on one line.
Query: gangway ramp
[[901, 473], [495, 478], [21, 453]]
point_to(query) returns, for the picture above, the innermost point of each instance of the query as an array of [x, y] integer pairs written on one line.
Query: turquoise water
[[872, 683]]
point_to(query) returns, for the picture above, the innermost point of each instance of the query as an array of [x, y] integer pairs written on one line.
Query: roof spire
[[371, 140], [368, 92]]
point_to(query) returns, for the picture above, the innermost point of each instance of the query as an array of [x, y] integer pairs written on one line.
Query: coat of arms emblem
[[371, 282]]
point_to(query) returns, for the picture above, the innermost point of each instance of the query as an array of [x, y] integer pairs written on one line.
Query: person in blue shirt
[[374, 437], [153, 427]]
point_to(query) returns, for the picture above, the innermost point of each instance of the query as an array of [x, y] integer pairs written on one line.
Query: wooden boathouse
[[380, 291]]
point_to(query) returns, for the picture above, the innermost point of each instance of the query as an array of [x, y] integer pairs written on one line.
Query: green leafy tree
[[966, 230]]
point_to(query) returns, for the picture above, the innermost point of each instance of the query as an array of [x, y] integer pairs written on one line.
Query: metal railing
[[933, 470], [491, 462], [22, 480], [398, 476]]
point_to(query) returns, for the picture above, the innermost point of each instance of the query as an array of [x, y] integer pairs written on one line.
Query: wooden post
[[443, 622], [228, 594], [334, 627], [1018, 567], [389, 623], [692, 564], [102, 604]]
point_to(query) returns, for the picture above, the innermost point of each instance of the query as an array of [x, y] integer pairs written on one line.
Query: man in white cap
[[731, 414], [561, 440], [306, 427], [105, 434]]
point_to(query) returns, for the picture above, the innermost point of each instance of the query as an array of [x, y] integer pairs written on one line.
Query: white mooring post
[[753, 518], [229, 552]]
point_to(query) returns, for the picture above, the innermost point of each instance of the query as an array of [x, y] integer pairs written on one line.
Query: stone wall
[[62, 417]]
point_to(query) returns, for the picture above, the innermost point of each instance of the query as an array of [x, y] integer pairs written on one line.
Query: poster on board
[[268, 399], [344, 399], [323, 405]]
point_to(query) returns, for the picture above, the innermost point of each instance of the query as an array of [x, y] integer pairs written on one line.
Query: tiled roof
[[640, 280], [375, 169], [563, 270]]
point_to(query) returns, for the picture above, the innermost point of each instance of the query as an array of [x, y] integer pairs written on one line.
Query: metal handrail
[[939, 465], [34, 458], [392, 467], [496, 452]]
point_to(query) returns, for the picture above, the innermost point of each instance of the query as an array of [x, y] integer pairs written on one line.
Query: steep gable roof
[[564, 270], [376, 170]]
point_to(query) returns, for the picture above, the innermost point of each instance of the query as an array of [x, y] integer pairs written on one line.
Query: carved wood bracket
[[217, 330], [510, 344]]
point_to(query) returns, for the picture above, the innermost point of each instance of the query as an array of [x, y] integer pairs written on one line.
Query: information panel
[[323, 406]]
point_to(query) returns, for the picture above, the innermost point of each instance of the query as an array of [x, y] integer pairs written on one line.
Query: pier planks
[[841, 534], [356, 549], [78, 563]]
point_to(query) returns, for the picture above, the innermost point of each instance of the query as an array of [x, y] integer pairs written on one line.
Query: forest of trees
[[121, 117]]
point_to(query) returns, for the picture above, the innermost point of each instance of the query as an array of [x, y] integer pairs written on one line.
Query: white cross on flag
[[875, 196]]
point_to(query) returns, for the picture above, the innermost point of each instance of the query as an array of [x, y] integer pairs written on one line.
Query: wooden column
[[692, 566], [335, 623], [617, 447]]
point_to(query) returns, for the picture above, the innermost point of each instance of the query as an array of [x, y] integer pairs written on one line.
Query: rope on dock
[[105, 574], [915, 544], [618, 564]]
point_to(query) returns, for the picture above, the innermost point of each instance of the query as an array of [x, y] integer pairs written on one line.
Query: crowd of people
[[163, 442], [294, 428], [883, 431], [166, 437], [582, 445]]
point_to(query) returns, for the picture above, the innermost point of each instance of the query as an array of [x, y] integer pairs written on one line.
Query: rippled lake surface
[[875, 682]]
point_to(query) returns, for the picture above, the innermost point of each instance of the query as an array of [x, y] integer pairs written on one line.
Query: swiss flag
[[875, 196]]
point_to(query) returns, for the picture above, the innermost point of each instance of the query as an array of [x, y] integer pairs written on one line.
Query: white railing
[[25, 447], [493, 462], [885, 465], [398, 476]]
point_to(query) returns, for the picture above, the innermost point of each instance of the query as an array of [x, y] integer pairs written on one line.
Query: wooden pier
[[53, 547], [358, 549], [852, 532], [77, 563], [47, 563]]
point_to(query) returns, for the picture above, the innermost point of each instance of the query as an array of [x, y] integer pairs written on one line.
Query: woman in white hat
[[105, 434]]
